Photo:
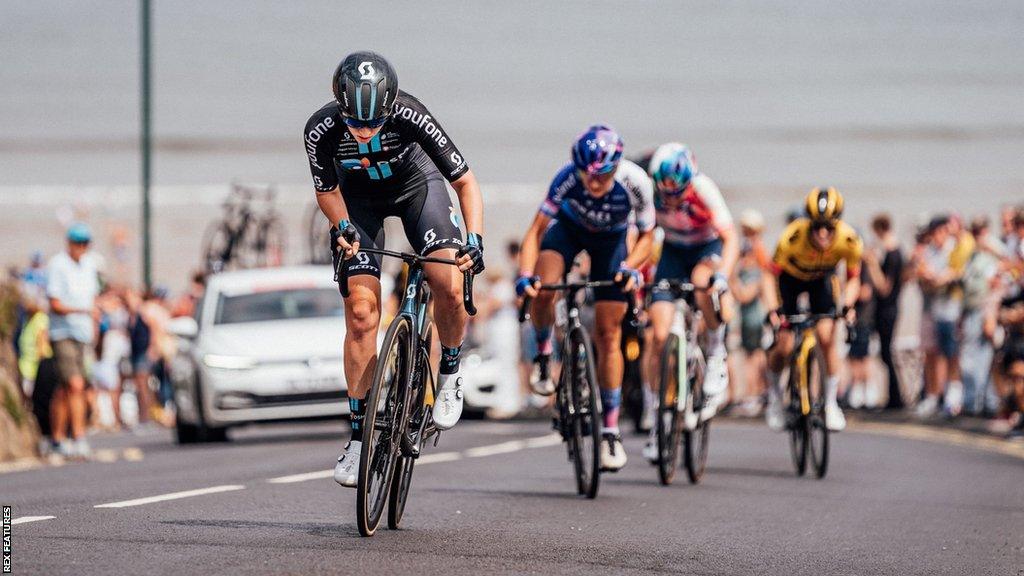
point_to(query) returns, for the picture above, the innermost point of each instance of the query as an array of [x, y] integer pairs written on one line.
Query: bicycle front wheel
[[382, 425], [695, 441], [669, 426], [817, 432], [584, 412], [796, 422]]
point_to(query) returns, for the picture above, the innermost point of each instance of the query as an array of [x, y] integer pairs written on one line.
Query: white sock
[[773, 383], [650, 397], [831, 389]]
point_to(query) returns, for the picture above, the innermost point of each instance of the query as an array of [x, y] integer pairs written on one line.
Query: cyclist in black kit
[[375, 152]]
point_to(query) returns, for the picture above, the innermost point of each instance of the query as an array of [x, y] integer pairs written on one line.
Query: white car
[[265, 345]]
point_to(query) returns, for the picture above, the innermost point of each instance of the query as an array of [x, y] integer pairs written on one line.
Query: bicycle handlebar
[[524, 308], [681, 289], [341, 276]]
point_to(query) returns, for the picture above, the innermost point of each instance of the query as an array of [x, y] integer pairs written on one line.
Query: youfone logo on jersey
[[314, 136], [367, 71], [423, 121]]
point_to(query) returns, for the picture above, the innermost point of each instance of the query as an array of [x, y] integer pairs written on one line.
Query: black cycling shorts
[[428, 216], [820, 293]]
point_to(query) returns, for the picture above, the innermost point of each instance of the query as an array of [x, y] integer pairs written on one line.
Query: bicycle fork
[[806, 345]]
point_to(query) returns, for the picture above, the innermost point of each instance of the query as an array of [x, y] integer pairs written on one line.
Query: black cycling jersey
[[410, 147]]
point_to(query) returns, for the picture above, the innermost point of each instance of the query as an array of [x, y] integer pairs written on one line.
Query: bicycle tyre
[[271, 242], [218, 247], [817, 431], [669, 425], [584, 413], [797, 423], [380, 437], [695, 442], [400, 485]]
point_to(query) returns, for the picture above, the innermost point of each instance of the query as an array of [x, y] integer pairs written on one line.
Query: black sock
[[358, 408], [450, 359]]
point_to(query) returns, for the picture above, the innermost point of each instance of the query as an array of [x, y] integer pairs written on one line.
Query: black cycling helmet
[[365, 86]]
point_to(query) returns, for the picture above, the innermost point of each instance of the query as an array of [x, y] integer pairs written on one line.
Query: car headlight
[[225, 362]]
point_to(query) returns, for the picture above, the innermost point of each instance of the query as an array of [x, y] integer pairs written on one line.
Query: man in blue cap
[[72, 286]]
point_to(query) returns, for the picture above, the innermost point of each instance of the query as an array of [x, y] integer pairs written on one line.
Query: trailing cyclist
[[806, 258], [375, 151], [588, 208], [700, 247]]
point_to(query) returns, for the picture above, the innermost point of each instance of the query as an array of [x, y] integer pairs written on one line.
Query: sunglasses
[[823, 226], [376, 123]]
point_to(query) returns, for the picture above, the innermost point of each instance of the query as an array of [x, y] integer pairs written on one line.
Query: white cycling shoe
[[613, 454], [448, 404], [540, 378], [835, 421], [716, 382], [773, 413], [346, 471]]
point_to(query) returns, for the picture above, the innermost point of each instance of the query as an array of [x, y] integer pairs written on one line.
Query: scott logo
[[430, 236], [367, 71], [363, 258], [456, 159]]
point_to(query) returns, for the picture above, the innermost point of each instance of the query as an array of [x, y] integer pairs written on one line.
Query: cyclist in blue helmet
[[589, 207]]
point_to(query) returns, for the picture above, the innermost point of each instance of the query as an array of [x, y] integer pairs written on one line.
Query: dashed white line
[[171, 496], [438, 457], [494, 449], [27, 519]]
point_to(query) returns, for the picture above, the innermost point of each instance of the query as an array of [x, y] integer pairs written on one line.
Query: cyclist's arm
[[641, 250], [332, 205], [468, 191], [853, 263], [529, 250], [730, 250]]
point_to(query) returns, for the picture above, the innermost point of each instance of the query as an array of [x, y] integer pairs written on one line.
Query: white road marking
[[438, 457], [171, 496], [494, 449], [27, 519], [319, 474], [478, 452]]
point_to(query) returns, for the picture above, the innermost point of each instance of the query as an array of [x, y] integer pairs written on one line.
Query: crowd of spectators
[[91, 354], [971, 333]]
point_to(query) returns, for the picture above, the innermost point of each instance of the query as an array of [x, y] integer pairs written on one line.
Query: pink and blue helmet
[[672, 167], [598, 150]]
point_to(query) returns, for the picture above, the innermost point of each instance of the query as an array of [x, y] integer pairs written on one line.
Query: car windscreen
[[278, 305]]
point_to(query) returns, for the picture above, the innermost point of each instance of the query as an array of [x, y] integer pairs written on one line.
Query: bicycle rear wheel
[[818, 435], [695, 442], [584, 412], [669, 426], [381, 425]]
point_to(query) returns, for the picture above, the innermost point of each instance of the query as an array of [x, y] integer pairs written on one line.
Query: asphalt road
[[497, 498]]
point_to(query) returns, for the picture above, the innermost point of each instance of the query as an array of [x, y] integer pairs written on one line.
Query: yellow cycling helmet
[[824, 204]]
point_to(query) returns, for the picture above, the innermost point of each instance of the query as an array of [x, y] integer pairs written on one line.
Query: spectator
[[941, 311], [72, 286], [113, 352], [33, 342], [976, 357], [34, 277], [860, 394], [749, 285], [143, 354], [1013, 373], [886, 273], [186, 304]]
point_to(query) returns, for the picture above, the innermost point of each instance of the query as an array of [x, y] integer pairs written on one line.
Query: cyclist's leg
[[702, 262], [558, 249], [671, 266], [362, 321], [432, 227], [789, 291], [607, 252], [823, 301]]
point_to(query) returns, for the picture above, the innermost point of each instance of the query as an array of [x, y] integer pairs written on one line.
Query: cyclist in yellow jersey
[[809, 251]]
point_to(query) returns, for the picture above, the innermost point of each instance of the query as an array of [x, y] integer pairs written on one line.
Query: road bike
[[682, 423], [248, 235], [398, 417], [318, 236], [804, 395], [578, 414]]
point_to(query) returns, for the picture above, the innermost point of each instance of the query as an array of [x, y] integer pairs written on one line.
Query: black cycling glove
[[475, 249]]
